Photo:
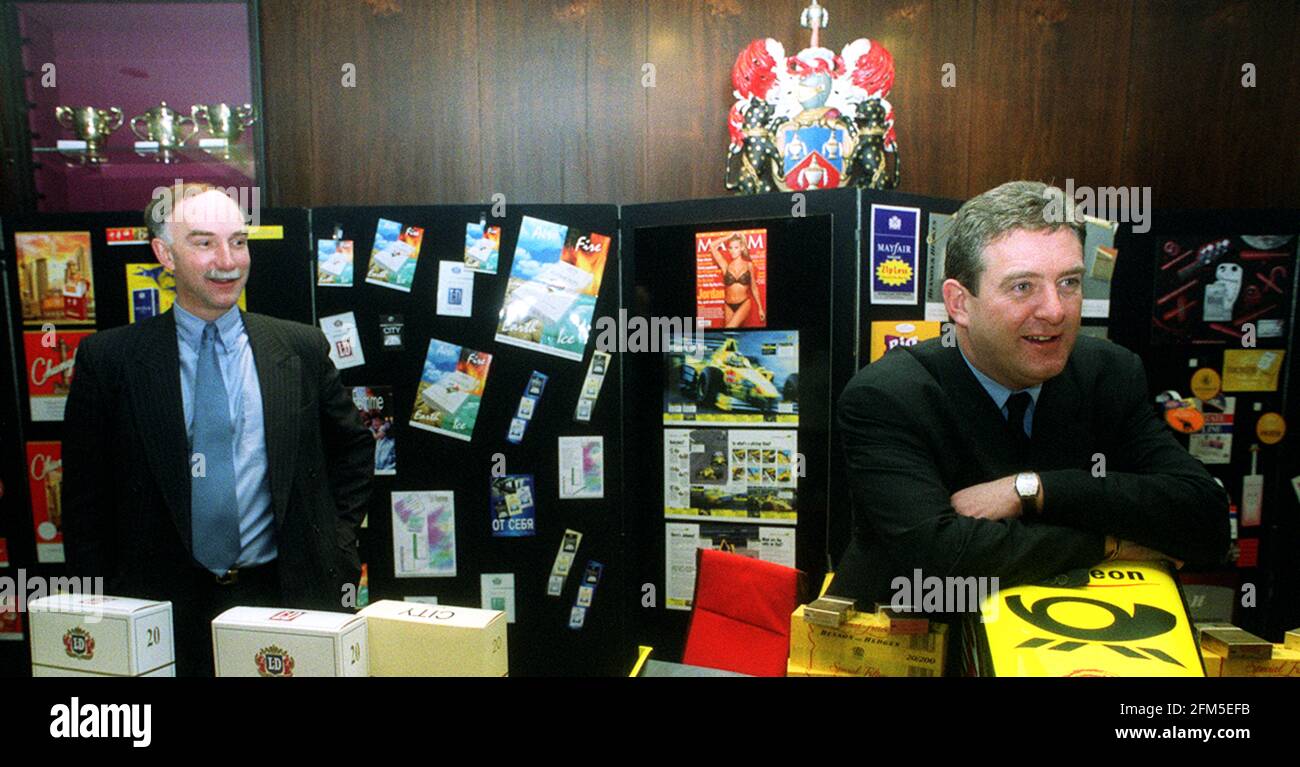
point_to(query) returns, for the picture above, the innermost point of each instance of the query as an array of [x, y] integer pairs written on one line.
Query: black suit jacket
[[917, 427], [126, 487]]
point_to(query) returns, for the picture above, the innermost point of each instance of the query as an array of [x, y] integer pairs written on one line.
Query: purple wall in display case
[[133, 56]]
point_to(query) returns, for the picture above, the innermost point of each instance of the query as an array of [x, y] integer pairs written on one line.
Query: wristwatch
[[1027, 489]]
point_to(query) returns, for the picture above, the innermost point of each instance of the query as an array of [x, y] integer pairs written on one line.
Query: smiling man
[[1024, 450], [211, 457]]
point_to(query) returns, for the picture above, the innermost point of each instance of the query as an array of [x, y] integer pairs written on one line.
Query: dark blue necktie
[[214, 511], [1017, 404]]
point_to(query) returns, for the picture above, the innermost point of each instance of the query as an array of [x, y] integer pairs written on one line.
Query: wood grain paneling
[[542, 99]]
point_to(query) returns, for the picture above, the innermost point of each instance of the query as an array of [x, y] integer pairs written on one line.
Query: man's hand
[[1137, 552], [989, 500]]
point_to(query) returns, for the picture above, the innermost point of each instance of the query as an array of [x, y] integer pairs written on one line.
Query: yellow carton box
[[417, 639], [863, 646]]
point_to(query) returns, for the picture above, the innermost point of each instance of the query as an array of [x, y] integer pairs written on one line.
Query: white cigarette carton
[[91, 635], [272, 641]]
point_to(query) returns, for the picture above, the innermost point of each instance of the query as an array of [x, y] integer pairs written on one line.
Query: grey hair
[[1028, 205], [158, 213]]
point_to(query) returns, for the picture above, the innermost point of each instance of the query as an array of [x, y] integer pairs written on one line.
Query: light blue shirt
[[239, 374], [1001, 394]]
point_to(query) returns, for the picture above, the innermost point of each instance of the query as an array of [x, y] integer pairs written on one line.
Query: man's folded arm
[[1153, 491], [900, 498], [87, 492]]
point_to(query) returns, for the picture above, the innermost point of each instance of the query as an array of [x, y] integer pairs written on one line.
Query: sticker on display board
[[895, 236], [586, 594], [266, 232], [1213, 443], [564, 557], [1184, 418], [591, 386], [1269, 328], [455, 289], [1270, 428], [1252, 499], [127, 235], [345, 343], [390, 328], [1206, 383]]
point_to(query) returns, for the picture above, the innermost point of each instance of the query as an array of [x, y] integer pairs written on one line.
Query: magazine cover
[[513, 513], [424, 534], [450, 389], [731, 473], [554, 283], [51, 357], [375, 405], [55, 283], [482, 247], [334, 263], [45, 480], [731, 279], [394, 255], [151, 291], [750, 377]]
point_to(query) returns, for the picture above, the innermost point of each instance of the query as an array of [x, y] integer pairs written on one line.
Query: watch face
[[1026, 484]]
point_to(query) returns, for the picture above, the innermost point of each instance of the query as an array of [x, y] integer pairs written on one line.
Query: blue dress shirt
[[239, 373], [1001, 394]]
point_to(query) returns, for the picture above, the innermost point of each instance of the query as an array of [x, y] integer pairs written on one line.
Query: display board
[[499, 462], [1190, 286], [68, 275]]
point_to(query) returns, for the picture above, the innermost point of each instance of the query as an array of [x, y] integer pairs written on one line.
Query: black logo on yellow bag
[[1146, 622]]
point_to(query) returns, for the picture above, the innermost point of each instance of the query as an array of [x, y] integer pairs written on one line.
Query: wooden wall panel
[[542, 99]]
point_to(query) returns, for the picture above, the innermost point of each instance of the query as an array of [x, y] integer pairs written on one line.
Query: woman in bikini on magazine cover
[[738, 280]]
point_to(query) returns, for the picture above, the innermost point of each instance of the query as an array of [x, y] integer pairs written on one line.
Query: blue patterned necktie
[[214, 512]]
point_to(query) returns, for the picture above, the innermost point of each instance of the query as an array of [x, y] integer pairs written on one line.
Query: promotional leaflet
[[345, 343], [555, 279], [55, 280], [375, 405], [482, 247], [895, 237], [731, 474], [394, 255], [731, 279], [497, 592], [1213, 443], [937, 251], [51, 358], [747, 377], [455, 289], [45, 482], [889, 334], [513, 513], [424, 534], [582, 467], [682, 539], [334, 263], [450, 390], [1252, 369]]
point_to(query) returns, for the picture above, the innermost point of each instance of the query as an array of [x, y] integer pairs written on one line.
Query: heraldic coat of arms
[[815, 120]]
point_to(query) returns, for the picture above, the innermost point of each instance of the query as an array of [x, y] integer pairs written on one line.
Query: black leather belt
[[233, 575]]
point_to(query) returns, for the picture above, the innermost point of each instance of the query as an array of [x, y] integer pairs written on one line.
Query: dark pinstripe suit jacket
[[126, 487]]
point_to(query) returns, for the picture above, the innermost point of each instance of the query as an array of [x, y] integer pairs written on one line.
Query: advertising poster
[[1213, 443], [895, 235], [731, 279], [450, 390], [51, 357], [375, 405], [334, 263], [750, 378], [1206, 288], [394, 255], [482, 247], [887, 335], [731, 474], [1099, 256], [1251, 369], [682, 539], [937, 249], [551, 295], [582, 467], [151, 291], [424, 534], [513, 513], [55, 283], [45, 481]]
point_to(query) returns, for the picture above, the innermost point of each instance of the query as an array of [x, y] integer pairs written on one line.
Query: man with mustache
[[211, 457], [982, 458]]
